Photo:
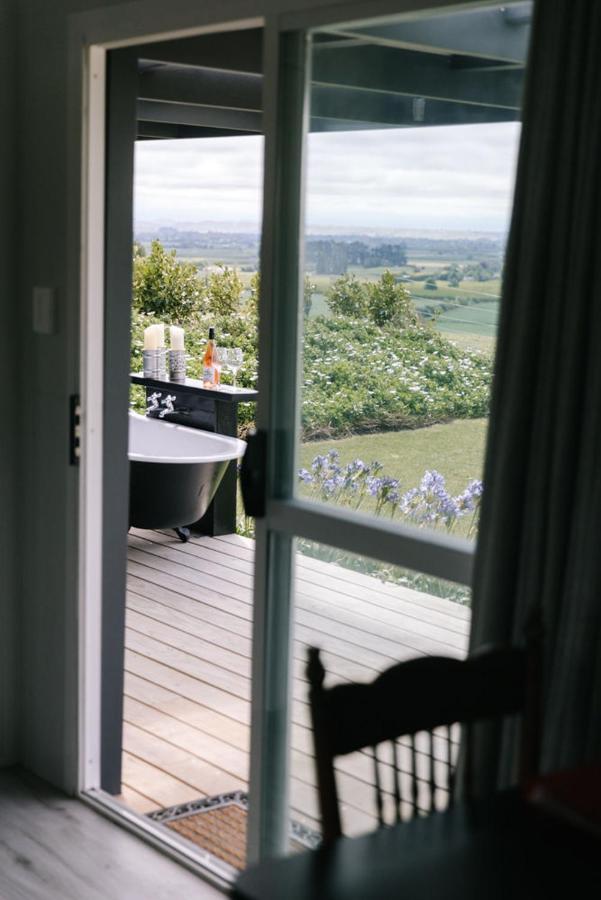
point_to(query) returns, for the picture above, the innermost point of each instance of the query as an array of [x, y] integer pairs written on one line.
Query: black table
[[500, 849], [212, 410]]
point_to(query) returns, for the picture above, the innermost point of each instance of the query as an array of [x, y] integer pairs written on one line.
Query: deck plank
[[370, 600], [227, 626], [188, 667], [192, 636], [394, 641], [156, 787], [334, 601], [237, 545], [136, 801]]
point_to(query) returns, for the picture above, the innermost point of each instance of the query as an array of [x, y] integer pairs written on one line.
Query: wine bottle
[[210, 369]]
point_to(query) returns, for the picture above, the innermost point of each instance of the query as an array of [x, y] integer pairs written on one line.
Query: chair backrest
[[410, 719]]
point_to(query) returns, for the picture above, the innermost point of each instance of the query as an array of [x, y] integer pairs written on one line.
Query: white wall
[[47, 548]]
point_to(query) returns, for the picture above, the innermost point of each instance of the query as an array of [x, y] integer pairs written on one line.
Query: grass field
[[481, 319], [472, 290], [468, 341], [455, 449]]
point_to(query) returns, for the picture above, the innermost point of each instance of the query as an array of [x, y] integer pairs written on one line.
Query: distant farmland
[[472, 325], [480, 319]]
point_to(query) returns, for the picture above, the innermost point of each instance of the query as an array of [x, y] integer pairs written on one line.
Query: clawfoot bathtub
[[174, 472]]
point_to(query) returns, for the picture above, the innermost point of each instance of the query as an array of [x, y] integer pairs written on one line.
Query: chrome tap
[[167, 405], [152, 404]]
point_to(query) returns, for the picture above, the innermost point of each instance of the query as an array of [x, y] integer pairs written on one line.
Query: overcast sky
[[450, 178]]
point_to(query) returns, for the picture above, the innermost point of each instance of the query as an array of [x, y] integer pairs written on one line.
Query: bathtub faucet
[[167, 405], [153, 403]]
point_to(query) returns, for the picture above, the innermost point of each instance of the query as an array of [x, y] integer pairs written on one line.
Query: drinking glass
[[234, 361]]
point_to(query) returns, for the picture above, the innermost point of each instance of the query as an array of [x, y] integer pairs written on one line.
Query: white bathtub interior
[[153, 440]]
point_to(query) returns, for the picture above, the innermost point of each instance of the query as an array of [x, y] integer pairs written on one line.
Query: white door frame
[[91, 35]]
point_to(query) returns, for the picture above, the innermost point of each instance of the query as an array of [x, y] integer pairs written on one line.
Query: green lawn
[[483, 343], [482, 318], [455, 449], [472, 290]]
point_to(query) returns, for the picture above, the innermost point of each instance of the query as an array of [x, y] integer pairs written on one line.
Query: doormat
[[218, 825]]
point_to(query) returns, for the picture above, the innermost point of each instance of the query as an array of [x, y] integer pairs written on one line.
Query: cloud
[[198, 180], [452, 177]]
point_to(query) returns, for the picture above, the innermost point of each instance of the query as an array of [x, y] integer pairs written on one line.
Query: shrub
[[347, 296], [358, 376], [308, 290], [389, 303], [164, 286], [224, 291], [239, 330]]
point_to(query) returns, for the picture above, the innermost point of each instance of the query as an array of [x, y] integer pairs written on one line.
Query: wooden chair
[[425, 702]]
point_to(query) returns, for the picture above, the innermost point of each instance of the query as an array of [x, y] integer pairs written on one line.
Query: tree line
[[328, 257]]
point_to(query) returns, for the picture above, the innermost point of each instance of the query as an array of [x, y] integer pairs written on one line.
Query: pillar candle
[[177, 337], [150, 338], [160, 336]]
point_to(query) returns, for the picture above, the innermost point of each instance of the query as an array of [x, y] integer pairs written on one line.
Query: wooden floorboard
[[54, 847], [188, 667]]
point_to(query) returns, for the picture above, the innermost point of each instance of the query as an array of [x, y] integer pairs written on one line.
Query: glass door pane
[[365, 616], [412, 142], [411, 151], [390, 156]]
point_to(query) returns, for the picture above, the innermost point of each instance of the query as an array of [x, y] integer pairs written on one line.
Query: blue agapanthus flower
[[468, 500], [428, 504]]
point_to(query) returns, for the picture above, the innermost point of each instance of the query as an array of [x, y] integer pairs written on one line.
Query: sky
[[452, 178]]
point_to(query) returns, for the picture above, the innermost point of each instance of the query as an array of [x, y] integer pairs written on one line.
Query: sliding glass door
[[390, 155]]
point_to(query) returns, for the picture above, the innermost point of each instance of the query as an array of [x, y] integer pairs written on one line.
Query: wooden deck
[[188, 664]]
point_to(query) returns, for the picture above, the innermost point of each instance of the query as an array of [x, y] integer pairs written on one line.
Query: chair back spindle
[[415, 707]]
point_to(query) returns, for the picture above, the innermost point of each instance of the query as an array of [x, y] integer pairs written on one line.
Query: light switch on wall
[[44, 310]]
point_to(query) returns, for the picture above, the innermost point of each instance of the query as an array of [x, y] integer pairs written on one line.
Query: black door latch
[[74, 429]]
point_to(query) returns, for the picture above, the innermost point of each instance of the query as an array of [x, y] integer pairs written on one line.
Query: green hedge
[[358, 376]]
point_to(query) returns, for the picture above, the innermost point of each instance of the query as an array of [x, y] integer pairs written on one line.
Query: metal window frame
[[437, 554], [285, 102]]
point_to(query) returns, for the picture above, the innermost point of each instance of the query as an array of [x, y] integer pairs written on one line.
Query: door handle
[[252, 474]]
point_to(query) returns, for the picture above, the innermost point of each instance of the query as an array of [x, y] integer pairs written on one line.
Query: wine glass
[[234, 361]]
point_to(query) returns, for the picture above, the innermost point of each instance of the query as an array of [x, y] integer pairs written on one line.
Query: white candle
[[150, 337], [160, 336], [177, 337]]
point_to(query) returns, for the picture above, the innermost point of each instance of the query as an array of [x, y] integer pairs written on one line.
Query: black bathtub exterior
[[169, 495]]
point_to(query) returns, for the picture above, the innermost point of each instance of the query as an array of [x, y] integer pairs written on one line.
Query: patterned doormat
[[218, 825]]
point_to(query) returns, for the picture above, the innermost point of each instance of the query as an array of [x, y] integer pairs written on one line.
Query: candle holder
[[177, 365], [155, 364]]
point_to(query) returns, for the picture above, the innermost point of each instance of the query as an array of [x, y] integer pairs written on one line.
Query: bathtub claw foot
[[183, 534]]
